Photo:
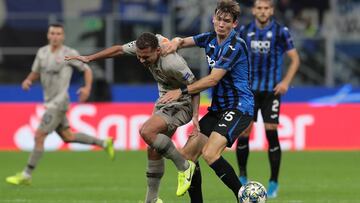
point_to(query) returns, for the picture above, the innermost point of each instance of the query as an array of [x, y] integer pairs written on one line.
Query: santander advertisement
[[302, 126]]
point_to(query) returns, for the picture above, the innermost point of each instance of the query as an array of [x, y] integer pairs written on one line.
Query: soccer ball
[[252, 192]]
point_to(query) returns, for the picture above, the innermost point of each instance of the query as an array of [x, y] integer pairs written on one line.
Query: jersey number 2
[[275, 106]]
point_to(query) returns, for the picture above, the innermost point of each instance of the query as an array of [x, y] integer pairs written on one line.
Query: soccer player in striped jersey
[[267, 41], [231, 110]]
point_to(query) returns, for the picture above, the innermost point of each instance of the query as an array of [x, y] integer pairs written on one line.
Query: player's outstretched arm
[[84, 92], [110, 52], [33, 76], [283, 86], [178, 43]]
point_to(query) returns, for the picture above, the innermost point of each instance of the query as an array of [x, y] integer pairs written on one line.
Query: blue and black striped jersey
[[266, 49], [233, 90]]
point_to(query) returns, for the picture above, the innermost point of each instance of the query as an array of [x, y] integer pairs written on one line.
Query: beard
[[263, 19]]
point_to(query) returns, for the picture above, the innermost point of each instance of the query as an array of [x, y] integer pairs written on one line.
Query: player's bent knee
[[145, 134], [148, 134], [39, 136], [67, 139], [39, 139], [209, 156], [271, 126], [145, 131], [67, 136], [244, 135]]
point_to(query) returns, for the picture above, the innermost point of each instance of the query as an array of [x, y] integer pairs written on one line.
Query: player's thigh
[[246, 133], [208, 122], [214, 147], [63, 129], [175, 115], [154, 125], [270, 109], [232, 124], [51, 119], [64, 124]]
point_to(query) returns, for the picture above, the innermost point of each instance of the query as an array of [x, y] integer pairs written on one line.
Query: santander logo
[[123, 121]]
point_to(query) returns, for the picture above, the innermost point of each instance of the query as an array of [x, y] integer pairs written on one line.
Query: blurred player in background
[[55, 75], [232, 106], [170, 72], [267, 41]]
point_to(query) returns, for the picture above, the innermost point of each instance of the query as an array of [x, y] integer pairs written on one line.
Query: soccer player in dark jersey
[[267, 41], [231, 110]]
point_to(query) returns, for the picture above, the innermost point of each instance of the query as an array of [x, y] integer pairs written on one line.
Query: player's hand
[[26, 84], [169, 48], [83, 59], [281, 88], [84, 93], [170, 96]]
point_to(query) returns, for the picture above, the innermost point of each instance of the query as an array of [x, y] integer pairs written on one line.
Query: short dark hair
[[58, 25], [228, 6], [147, 40], [272, 3]]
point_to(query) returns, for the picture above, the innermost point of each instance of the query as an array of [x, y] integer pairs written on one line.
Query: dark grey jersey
[[170, 72], [55, 74]]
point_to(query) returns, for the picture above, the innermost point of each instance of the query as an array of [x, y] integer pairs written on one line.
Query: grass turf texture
[[89, 177]]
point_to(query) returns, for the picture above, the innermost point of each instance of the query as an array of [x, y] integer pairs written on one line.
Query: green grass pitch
[[89, 177]]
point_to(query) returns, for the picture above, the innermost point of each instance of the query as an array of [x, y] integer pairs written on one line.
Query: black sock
[[274, 153], [227, 175], [195, 191], [242, 154]]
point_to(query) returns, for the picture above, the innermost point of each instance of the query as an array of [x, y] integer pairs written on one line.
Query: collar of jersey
[[157, 64], [232, 33], [57, 51]]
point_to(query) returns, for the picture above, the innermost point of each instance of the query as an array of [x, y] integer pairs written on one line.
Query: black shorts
[[269, 104], [229, 123]]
